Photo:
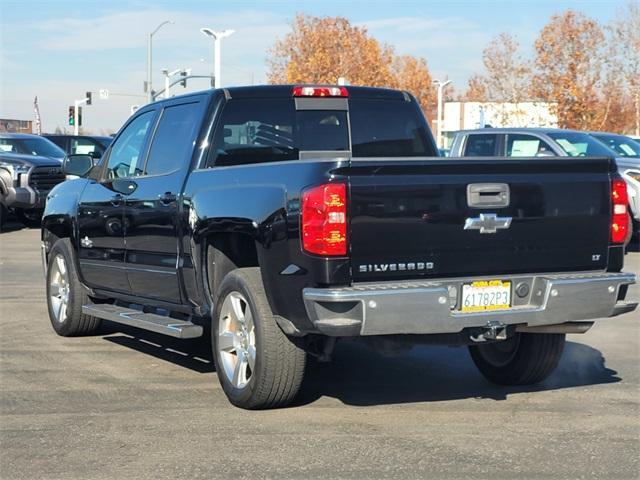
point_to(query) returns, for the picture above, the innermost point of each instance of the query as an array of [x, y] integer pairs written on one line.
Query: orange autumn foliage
[[322, 49], [568, 73]]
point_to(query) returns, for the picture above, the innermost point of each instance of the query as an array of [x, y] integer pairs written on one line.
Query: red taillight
[[619, 215], [324, 219], [310, 91]]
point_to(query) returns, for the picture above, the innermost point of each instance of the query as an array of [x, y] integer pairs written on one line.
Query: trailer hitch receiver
[[493, 331]]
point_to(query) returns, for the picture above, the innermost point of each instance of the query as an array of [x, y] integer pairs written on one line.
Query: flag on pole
[[36, 110]]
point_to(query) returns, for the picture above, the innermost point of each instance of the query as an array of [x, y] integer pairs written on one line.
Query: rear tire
[[257, 364], [524, 359], [66, 295]]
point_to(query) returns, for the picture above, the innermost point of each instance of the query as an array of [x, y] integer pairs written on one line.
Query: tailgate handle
[[483, 195]]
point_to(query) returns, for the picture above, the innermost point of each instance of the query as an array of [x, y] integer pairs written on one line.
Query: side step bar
[[146, 321]]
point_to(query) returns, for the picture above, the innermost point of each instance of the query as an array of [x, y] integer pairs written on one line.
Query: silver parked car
[[542, 142]]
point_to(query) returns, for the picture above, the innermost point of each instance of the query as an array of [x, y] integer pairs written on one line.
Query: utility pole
[[149, 86], [217, 37], [441, 85]]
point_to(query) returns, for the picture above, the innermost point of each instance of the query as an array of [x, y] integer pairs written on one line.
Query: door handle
[[167, 198], [488, 195], [116, 200]]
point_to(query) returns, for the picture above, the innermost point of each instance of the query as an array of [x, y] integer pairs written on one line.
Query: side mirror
[[78, 165], [123, 186]]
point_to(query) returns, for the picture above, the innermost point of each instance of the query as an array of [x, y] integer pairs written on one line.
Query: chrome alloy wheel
[[59, 289], [237, 340]]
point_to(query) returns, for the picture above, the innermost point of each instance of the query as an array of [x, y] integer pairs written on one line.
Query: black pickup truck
[[282, 218]]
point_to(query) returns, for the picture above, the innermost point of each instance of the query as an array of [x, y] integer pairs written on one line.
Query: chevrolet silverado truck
[[25, 181], [280, 219]]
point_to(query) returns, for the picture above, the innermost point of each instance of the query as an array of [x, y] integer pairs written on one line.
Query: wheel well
[[226, 252], [56, 231], [52, 233], [3, 191]]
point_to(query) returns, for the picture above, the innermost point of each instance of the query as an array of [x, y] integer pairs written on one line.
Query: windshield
[[624, 146], [31, 146], [577, 144]]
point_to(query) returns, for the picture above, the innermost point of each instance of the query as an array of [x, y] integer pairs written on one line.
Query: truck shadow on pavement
[[362, 376], [193, 354]]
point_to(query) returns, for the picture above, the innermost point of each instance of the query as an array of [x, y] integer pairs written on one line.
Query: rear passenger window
[[254, 131], [174, 139], [482, 145], [519, 145]]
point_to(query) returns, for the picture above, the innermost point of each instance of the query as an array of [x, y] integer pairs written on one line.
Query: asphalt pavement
[[133, 404]]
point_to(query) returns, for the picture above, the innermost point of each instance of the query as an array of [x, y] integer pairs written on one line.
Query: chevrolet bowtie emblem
[[487, 223]]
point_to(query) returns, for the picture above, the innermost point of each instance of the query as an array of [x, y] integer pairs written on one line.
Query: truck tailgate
[[408, 217]]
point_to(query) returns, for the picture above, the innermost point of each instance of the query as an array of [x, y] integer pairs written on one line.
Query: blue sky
[[60, 49]]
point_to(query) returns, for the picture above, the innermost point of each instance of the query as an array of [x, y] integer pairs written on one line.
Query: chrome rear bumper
[[430, 307]]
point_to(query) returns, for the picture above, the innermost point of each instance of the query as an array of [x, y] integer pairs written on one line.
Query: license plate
[[486, 295]]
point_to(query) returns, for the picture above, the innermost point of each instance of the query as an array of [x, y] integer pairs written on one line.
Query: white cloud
[[73, 48], [126, 30]]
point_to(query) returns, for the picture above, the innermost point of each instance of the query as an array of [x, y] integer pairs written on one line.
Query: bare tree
[[626, 35], [507, 77]]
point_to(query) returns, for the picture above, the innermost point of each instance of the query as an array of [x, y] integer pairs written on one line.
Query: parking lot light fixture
[[441, 86], [217, 37], [150, 58]]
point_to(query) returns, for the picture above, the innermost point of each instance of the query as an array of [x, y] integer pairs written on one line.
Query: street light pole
[[217, 37], [150, 59], [441, 85]]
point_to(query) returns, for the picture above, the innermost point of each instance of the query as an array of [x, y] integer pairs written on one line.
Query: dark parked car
[[81, 144], [283, 218], [624, 146], [28, 144]]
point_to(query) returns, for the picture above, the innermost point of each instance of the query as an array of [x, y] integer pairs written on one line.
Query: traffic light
[[79, 116], [88, 96], [72, 115], [183, 82]]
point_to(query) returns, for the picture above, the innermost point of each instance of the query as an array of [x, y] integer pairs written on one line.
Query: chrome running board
[[146, 321]]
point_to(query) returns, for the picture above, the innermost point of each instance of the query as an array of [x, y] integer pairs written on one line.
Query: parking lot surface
[[132, 404]]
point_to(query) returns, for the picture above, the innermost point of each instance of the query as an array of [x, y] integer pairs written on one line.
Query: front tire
[[523, 359], [257, 364], [3, 216], [66, 295]]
